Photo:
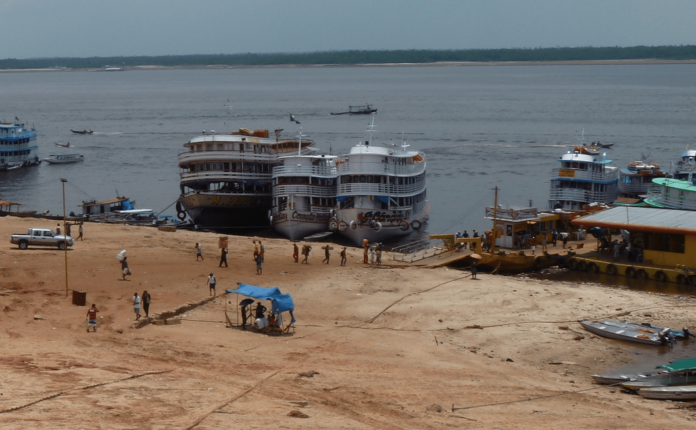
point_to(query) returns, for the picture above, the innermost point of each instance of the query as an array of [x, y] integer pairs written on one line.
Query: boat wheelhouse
[[93, 207], [226, 178], [585, 176], [304, 195], [636, 179], [670, 193], [685, 166], [16, 149], [381, 192]]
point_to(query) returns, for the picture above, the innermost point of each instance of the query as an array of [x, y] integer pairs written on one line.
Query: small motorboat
[[669, 379], [357, 110], [683, 392], [64, 158], [681, 335], [82, 131], [630, 333], [64, 145], [618, 378]]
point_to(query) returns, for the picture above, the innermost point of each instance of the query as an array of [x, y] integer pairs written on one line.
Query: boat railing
[[226, 155], [304, 190], [223, 176], [380, 189], [675, 201], [304, 171], [415, 251], [367, 168], [580, 195], [588, 175]]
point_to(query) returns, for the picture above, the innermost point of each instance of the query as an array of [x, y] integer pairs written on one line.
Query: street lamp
[[65, 243]]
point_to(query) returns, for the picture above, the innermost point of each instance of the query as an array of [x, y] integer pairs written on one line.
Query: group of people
[[374, 251], [67, 233], [272, 322]]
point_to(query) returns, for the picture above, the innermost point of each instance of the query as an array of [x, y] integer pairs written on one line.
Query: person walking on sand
[[146, 299], [136, 306], [92, 317], [305, 252], [343, 256], [256, 249], [223, 257], [295, 252], [365, 254], [372, 254], [327, 255], [124, 267], [379, 256], [199, 251], [259, 263], [211, 283], [474, 269], [58, 229], [262, 250], [80, 231]]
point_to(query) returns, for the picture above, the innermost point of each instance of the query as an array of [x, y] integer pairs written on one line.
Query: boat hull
[[620, 333], [224, 211], [376, 226], [669, 393], [297, 225]]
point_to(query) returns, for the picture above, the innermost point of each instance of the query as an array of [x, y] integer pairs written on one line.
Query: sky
[[99, 28]]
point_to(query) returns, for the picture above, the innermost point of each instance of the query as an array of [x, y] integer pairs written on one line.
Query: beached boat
[[682, 392], [357, 110], [82, 131], [225, 179], [646, 335], [618, 378], [64, 158], [381, 192], [15, 146], [304, 195], [669, 379], [95, 208], [585, 176], [637, 178]]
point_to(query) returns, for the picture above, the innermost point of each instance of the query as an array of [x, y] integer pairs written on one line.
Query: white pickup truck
[[41, 237]]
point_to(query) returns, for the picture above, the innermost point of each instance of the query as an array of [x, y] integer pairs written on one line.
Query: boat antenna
[[495, 222], [582, 137], [371, 129]]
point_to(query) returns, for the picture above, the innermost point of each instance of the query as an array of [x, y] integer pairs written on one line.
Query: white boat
[[686, 166], [226, 178], [304, 195], [684, 392], [617, 378], [64, 158], [16, 149], [585, 176], [670, 379], [381, 192], [637, 178], [644, 335]]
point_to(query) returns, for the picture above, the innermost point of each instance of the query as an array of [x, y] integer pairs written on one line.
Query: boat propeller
[[687, 333], [666, 336]]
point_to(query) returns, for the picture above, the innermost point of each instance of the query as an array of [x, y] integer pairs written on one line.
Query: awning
[[281, 302]]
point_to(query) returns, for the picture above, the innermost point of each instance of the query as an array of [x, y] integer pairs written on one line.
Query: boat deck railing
[[380, 189], [304, 190], [380, 168], [329, 171], [415, 251]]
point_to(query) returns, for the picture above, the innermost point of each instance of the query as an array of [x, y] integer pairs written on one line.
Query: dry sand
[[387, 343]]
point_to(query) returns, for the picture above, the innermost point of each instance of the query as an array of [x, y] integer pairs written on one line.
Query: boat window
[[362, 179]]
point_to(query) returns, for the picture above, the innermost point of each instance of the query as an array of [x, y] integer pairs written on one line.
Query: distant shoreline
[[435, 64]]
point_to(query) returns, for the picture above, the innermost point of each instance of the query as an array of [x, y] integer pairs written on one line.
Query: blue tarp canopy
[[383, 199], [281, 302]]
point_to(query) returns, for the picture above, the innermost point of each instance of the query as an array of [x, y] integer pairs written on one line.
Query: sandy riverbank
[[386, 342]]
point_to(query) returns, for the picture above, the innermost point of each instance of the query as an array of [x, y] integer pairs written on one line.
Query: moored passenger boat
[[637, 178], [685, 166], [585, 176], [671, 193], [304, 194], [226, 178], [15, 146], [381, 192]]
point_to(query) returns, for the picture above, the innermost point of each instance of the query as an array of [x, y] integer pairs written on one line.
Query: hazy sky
[[86, 28]]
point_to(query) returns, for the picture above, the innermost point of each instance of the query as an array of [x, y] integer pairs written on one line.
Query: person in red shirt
[[92, 317]]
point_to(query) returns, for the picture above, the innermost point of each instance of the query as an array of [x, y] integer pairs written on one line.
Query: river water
[[480, 127]]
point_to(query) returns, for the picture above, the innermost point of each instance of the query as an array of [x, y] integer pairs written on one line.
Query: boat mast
[[299, 142], [495, 221]]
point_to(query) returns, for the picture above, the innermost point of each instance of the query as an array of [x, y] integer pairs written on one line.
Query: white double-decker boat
[[585, 176], [381, 192], [304, 195], [226, 178]]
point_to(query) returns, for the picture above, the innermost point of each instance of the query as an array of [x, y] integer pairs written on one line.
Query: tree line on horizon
[[423, 56]]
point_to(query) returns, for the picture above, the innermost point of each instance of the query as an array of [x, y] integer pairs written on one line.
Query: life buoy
[[377, 226], [415, 224], [631, 272], [681, 279], [593, 267], [342, 226], [660, 276], [404, 225], [611, 269], [642, 274], [573, 264], [582, 265], [181, 215], [333, 226], [353, 225], [691, 279]]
